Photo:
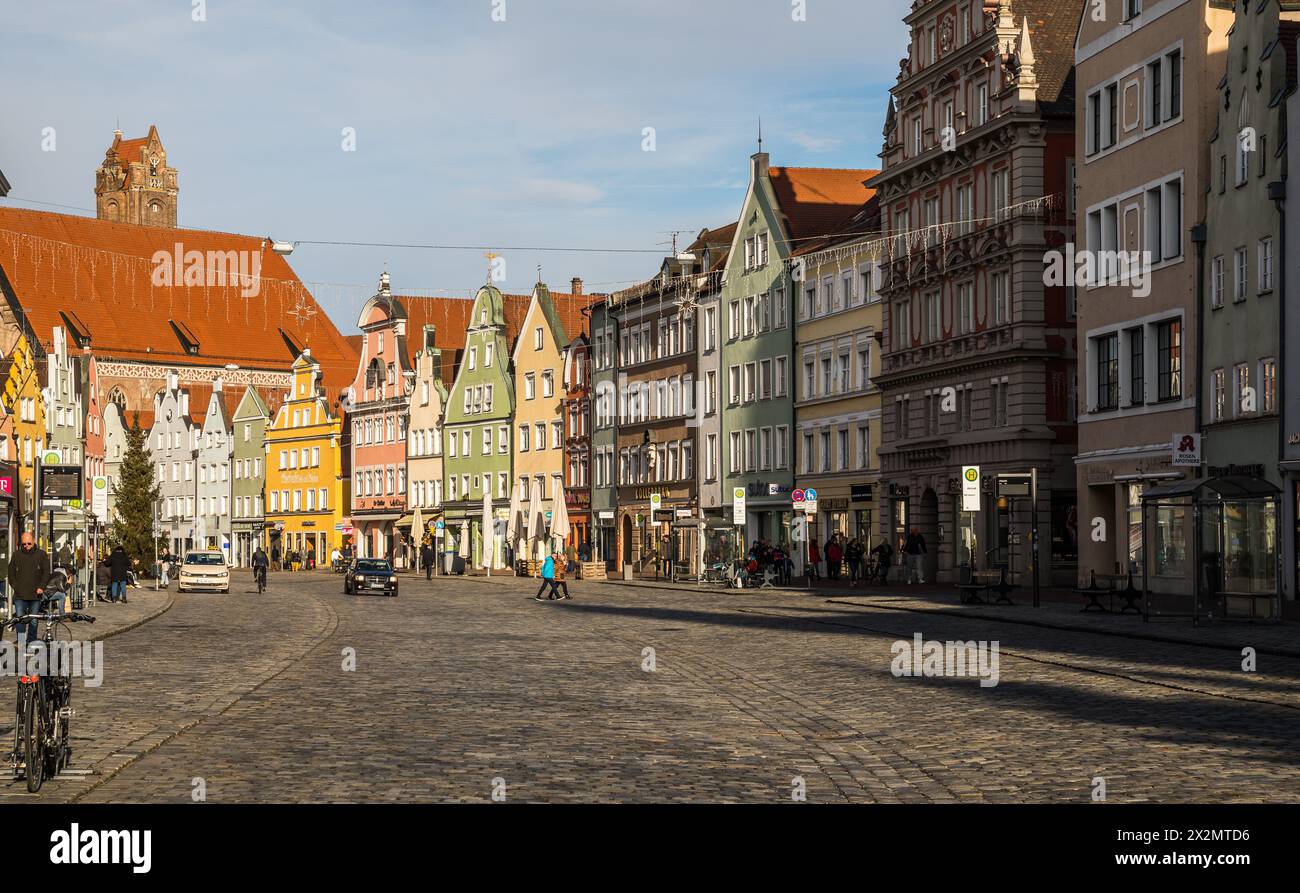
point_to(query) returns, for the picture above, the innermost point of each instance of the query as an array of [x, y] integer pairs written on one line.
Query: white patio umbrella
[[488, 558], [464, 539], [417, 535], [560, 528], [515, 523], [536, 520]]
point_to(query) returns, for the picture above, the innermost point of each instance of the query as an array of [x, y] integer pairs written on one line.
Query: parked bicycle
[[44, 706]]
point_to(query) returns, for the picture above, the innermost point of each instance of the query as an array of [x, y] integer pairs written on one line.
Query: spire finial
[[760, 133], [491, 258]]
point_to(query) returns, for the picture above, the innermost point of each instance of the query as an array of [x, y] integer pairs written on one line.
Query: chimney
[[430, 336], [575, 285], [173, 380], [216, 385], [759, 167]]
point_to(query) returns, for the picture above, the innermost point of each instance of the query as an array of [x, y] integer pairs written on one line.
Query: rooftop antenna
[[674, 233]]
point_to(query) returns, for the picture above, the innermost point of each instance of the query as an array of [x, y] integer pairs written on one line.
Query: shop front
[[646, 539], [578, 504], [1219, 536]]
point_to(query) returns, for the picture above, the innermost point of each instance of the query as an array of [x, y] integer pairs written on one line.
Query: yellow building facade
[[26, 424], [538, 455], [307, 486]]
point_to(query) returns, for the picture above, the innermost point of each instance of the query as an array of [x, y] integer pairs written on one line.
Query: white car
[[204, 570]]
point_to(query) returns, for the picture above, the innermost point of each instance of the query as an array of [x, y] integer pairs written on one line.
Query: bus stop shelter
[[1232, 567]]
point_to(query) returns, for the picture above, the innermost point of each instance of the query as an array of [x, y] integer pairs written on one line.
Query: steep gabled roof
[[104, 273], [814, 200]]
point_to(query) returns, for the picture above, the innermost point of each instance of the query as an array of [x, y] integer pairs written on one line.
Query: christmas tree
[[135, 496]]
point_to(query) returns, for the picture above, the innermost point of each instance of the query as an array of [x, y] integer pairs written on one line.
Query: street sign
[[738, 505], [1186, 450], [796, 496], [970, 488], [656, 502], [810, 495], [60, 483]]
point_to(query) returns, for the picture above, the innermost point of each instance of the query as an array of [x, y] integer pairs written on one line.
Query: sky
[[519, 133]]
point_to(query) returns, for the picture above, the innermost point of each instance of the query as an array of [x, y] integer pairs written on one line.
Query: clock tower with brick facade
[[134, 184]]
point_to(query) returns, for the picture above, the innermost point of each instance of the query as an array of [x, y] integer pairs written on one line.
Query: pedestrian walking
[[834, 557], [275, 557], [548, 579], [119, 573], [561, 568], [885, 557], [426, 559], [27, 576], [914, 548]]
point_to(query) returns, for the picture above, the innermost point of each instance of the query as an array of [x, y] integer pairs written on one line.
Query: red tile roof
[[815, 200], [103, 272], [451, 316]]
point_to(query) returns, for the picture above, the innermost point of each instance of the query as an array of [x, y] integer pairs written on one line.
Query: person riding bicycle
[[29, 573], [260, 564]]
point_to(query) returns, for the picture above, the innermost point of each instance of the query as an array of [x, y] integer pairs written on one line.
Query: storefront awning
[[1224, 488], [409, 520]]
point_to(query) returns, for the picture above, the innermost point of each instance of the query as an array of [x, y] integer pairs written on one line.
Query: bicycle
[[44, 706], [259, 574]]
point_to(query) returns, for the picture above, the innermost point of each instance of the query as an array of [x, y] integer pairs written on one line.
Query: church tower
[[134, 184]]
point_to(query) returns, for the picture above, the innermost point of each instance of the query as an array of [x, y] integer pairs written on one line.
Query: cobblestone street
[[458, 683]]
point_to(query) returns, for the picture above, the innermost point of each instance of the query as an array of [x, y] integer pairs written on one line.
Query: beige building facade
[[837, 402], [1145, 100]]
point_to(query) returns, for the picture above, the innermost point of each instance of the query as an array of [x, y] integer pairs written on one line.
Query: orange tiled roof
[[451, 316], [60, 265], [131, 150], [815, 200]]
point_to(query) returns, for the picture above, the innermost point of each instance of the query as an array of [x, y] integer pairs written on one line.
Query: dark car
[[372, 576]]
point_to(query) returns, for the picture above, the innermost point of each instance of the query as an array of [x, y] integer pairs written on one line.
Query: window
[[1137, 366], [1094, 123], [1107, 367], [523, 438], [782, 445], [548, 383], [1240, 382], [1154, 93], [1240, 274], [710, 328], [1000, 298], [1112, 114], [779, 387], [1169, 345], [1265, 265], [981, 104], [1216, 283], [1000, 193], [1175, 65], [965, 308], [1268, 385], [902, 333], [916, 136], [931, 321], [735, 452], [537, 338], [808, 453], [864, 446]]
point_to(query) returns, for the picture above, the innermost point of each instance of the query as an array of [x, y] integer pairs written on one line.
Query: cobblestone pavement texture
[[465, 686]]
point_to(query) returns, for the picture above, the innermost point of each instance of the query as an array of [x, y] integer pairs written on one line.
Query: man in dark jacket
[[29, 571], [426, 560], [914, 547], [119, 570]]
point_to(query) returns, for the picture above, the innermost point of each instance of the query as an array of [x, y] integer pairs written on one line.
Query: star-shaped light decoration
[[303, 311]]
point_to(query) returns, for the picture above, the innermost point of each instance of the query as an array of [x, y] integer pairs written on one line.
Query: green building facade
[[476, 434]]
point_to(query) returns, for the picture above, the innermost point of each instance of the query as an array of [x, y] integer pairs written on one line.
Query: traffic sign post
[[1022, 484]]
